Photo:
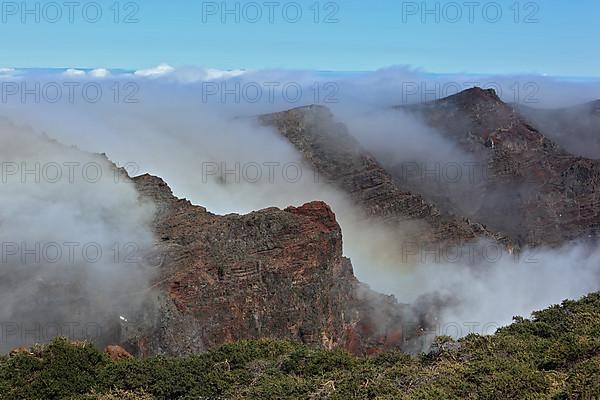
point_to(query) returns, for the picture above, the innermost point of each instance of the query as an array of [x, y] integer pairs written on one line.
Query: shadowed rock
[[339, 159], [535, 190]]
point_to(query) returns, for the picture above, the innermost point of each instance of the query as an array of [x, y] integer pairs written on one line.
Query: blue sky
[[367, 35]]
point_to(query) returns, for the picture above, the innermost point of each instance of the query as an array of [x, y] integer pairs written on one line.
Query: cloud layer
[[197, 134]]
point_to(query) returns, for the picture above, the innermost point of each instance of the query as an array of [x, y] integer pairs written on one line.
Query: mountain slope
[[269, 274], [533, 189], [340, 160]]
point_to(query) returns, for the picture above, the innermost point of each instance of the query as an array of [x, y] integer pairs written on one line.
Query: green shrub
[[555, 355]]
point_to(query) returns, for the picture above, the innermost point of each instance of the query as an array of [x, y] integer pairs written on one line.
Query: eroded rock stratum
[[269, 274]]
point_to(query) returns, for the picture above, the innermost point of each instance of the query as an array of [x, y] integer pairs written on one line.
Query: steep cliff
[[339, 159], [531, 188], [269, 274]]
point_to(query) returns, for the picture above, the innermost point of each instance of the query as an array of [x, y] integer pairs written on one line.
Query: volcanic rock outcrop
[[269, 274], [339, 159], [532, 188]]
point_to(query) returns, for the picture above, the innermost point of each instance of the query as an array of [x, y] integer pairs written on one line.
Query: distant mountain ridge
[[540, 193], [328, 147]]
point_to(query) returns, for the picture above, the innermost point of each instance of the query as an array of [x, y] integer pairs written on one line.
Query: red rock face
[[269, 274]]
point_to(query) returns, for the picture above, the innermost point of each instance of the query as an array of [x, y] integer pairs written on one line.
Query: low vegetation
[[553, 355]]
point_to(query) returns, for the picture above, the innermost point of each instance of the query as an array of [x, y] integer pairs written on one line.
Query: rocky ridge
[[534, 190], [339, 159], [269, 274]]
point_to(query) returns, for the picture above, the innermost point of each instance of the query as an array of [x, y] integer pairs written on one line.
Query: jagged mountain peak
[[534, 189], [474, 94]]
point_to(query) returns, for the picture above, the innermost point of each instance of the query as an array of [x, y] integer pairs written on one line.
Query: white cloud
[[198, 74], [162, 69], [223, 74], [7, 73], [69, 209], [74, 72], [190, 74], [100, 73]]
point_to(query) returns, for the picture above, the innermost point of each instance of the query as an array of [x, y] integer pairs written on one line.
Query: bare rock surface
[[535, 190], [339, 159], [269, 274]]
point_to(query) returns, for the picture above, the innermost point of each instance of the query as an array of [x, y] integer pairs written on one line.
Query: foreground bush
[[555, 355]]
